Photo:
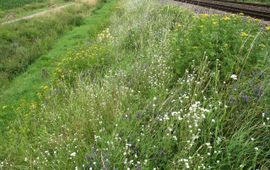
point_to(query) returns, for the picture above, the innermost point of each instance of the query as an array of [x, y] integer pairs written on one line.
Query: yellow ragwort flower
[[226, 18], [244, 34], [45, 87], [204, 15], [267, 28], [33, 106]]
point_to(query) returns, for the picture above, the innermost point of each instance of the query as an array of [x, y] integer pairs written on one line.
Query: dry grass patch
[[91, 2]]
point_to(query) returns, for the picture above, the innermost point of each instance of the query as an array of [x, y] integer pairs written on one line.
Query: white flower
[[234, 76], [73, 154], [145, 161], [187, 165], [256, 148], [175, 138]]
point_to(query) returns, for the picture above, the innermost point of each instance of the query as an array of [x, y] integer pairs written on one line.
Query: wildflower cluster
[[88, 59], [169, 91], [104, 35]]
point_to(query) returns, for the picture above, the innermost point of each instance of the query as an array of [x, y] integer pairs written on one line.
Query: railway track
[[260, 11], [246, 3]]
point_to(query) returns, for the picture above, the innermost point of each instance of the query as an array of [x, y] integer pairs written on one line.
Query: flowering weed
[[158, 89]]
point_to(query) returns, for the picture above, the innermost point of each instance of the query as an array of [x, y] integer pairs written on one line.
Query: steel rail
[[229, 6], [246, 3]]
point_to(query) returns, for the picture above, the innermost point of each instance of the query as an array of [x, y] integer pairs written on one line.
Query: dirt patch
[[50, 11], [91, 2], [39, 14]]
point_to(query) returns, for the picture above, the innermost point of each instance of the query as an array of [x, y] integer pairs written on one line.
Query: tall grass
[[23, 42], [16, 3], [159, 89]]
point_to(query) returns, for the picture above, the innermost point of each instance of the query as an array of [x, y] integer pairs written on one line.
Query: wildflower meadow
[[159, 88]]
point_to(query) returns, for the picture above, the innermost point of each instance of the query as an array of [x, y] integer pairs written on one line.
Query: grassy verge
[[10, 14], [23, 42], [24, 87], [17, 3], [159, 89]]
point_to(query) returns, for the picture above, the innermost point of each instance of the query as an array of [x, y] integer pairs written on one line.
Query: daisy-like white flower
[[73, 154], [234, 76]]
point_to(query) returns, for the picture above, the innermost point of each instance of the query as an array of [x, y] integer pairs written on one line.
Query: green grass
[[16, 3], [159, 88], [25, 86], [11, 4], [25, 41], [14, 13]]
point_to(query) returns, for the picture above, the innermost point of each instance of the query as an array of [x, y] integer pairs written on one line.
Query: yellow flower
[[46, 87], [214, 23], [33, 106], [204, 15], [243, 34], [39, 95], [267, 28], [226, 18]]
